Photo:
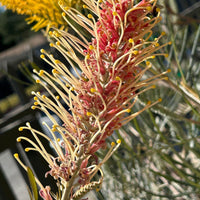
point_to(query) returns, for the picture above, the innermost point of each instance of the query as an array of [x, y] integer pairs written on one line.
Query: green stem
[[139, 130], [68, 186]]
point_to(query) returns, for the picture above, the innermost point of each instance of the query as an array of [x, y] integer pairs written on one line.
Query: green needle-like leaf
[[32, 183]]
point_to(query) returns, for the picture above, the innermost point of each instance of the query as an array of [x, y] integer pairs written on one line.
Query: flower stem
[[69, 185]]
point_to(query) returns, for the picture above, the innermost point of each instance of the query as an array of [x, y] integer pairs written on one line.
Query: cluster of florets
[[100, 99], [112, 58]]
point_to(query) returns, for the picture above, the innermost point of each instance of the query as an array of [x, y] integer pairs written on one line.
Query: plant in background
[[44, 13], [96, 102], [159, 155]]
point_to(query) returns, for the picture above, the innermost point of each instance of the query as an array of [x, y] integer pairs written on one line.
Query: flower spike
[[44, 13], [97, 98]]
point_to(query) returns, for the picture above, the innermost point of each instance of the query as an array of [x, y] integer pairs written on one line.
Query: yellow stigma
[[42, 56], [157, 44], [35, 103], [166, 78], [58, 43], [112, 144], [119, 141], [149, 8], [153, 86], [91, 47], [117, 78], [53, 129], [170, 43], [68, 53], [42, 50], [169, 70], [27, 149], [90, 16], [33, 107], [92, 90], [152, 57], [20, 129], [41, 72], [57, 35], [37, 81], [58, 139], [54, 126], [84, 6], [128, 110], [35, 98], [72, 88], [114, 13], [166, 55], [130, 40], [16, 155], [63, 14], [160, 99], [135, 52], [88, 114], [149, 102], [163, 33], [66, 8], [51, 44], [50, 33], [57, 61], [87, 56], [148, 63], [43, 96], [18, 139], [157, 9], [57, 97], [54, 71]]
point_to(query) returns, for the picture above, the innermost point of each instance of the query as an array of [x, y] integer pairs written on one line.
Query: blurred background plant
[[41, 13], [159, 157]]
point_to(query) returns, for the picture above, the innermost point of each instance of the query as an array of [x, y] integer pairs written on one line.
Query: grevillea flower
[[43, 13], [98, 100]]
